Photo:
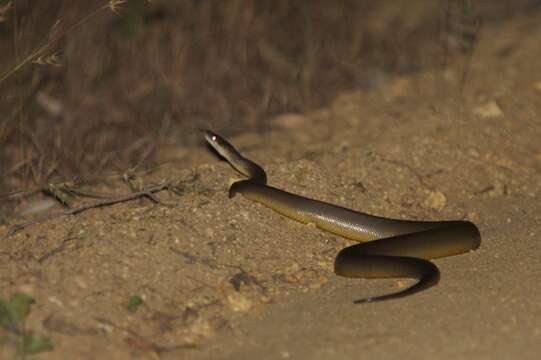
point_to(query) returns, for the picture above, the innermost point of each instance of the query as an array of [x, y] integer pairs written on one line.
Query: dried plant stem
[[147, 192], [42, 50]]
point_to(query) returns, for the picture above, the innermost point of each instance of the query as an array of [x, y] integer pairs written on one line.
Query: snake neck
[[247, 167]]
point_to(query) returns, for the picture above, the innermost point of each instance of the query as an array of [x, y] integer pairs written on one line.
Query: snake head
[[219, 144], [210, 136]]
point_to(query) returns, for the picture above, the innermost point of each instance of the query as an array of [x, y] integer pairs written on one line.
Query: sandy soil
[[230, 279]]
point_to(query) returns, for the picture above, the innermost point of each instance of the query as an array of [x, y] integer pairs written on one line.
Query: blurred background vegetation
[[90, 86]]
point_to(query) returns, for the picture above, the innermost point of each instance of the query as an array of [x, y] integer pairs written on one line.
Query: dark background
[[89, 86]]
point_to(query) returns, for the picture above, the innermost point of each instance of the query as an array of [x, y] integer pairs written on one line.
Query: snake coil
[[388, 248]]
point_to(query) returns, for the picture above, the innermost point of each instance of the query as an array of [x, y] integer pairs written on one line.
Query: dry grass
[[91, 87]]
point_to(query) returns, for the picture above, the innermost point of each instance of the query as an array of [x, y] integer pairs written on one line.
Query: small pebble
[[488, 110], [238, 302], [436, 200]]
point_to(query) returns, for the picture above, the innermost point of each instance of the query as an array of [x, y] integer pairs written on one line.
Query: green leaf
[[4, 340], [134, 303], [20, 305], [31, 344], [8, 316]]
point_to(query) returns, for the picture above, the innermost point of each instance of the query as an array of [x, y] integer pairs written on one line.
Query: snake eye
[[213, 138]]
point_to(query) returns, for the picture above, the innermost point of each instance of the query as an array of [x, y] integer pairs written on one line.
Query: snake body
[[387, 248]]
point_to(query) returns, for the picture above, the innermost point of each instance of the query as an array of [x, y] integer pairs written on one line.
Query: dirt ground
[[230, 279]]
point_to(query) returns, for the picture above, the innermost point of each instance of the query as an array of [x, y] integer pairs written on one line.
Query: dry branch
[[147, 192]]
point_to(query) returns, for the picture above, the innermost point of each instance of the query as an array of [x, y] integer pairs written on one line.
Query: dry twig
[[147, 192]]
